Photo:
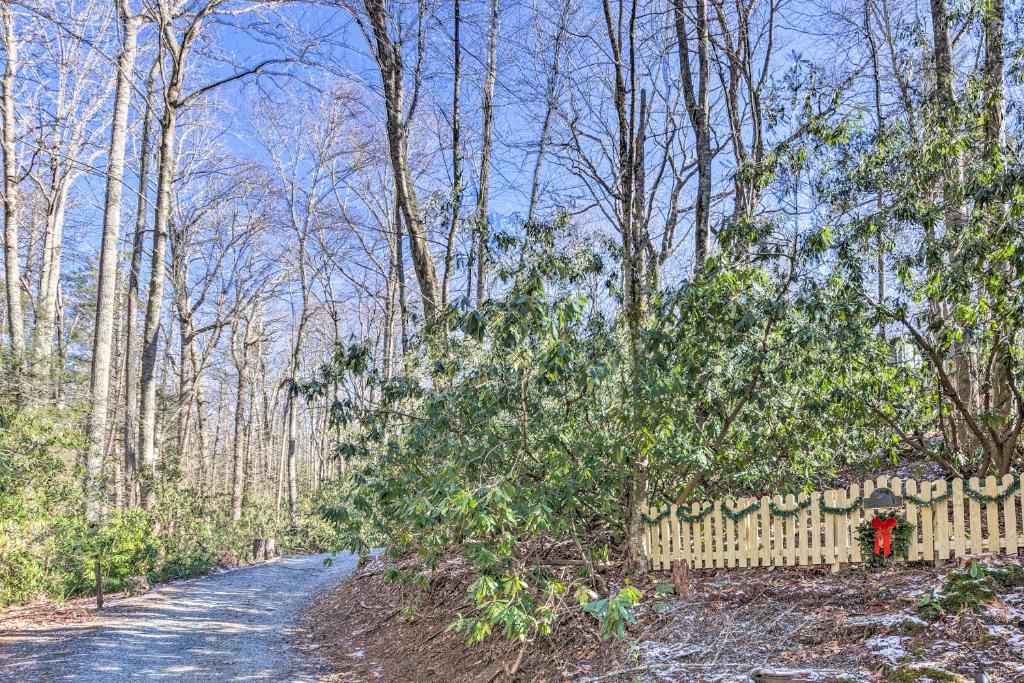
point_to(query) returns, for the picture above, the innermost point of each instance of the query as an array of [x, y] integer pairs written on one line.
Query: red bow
[[882, 528]]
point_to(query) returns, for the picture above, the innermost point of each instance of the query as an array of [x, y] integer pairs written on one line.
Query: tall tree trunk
[[955, 216], [154, 302], [482, 231], [106, 295], [1001, 391], [453, 225], [993, 21], [293, 370], [238, 454], [293, 479], [12, 262], [49, 281], [186, 385], [634, 281], [698, 108], [390, 303], [869, 34], [403, 303], [388, 54], [131, 336], [551, 104]]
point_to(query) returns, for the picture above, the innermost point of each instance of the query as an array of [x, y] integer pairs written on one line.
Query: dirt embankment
[[738, 626], [372, 629]]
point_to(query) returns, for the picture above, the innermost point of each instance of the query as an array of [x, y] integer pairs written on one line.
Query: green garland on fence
[[777, 511], [917, 500], [656, 520], [684, 516], [843, 510], [1011, 489], [736, 515], [791, 512], [688, 517]]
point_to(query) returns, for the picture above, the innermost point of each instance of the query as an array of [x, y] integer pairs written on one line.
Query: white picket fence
[[815, 529]]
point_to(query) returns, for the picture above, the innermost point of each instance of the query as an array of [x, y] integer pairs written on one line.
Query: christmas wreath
[[884, 537]]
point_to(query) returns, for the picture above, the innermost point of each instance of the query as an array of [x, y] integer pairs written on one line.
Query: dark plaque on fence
[[882, 497]]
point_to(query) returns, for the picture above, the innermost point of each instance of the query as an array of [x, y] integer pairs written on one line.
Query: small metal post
[[99, 585]]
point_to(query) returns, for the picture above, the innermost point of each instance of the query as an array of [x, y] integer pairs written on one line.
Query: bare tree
[[551, 93], [388, 53], [12, 258], [176, 46], [487, 109], [106, 294], [131, 336], [245, 334], [699, 109], [456, 199], [67, 140]]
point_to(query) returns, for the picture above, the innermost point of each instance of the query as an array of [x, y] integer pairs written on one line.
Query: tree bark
[[106, 295], [482, 229], [630, 136], [166, 168], [551, 103], [993, 21], [49, 278], [453, 225], [237, 454], [131, 337], [240, 345], [955, 216], [698, 108], [388, 55], [12, 259]]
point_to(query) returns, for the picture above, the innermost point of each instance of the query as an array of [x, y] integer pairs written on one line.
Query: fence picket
[[686, 553], [778, 554], [666, 540], [814, 517], [708, 553], [718, 536], [959, 529], [852, 520], [649, 541], [749, 542], [729, 528], [1009, 517], [991, 515], [674, 534], [927, 525], [830, 530], [977, 538], [764, 553], [941, 518], [914, 551]]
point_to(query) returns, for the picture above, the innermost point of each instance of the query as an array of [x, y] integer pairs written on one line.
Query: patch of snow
[[888, 648], [809, 675], [1012, 635], [883, 621], [655, 652]]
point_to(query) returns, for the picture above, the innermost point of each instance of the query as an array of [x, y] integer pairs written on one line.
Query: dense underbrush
[[47, 548]]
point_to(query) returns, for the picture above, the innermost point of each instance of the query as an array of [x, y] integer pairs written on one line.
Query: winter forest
[[490, 277]]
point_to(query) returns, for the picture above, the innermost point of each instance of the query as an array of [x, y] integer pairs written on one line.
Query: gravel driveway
[[233, 626]]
